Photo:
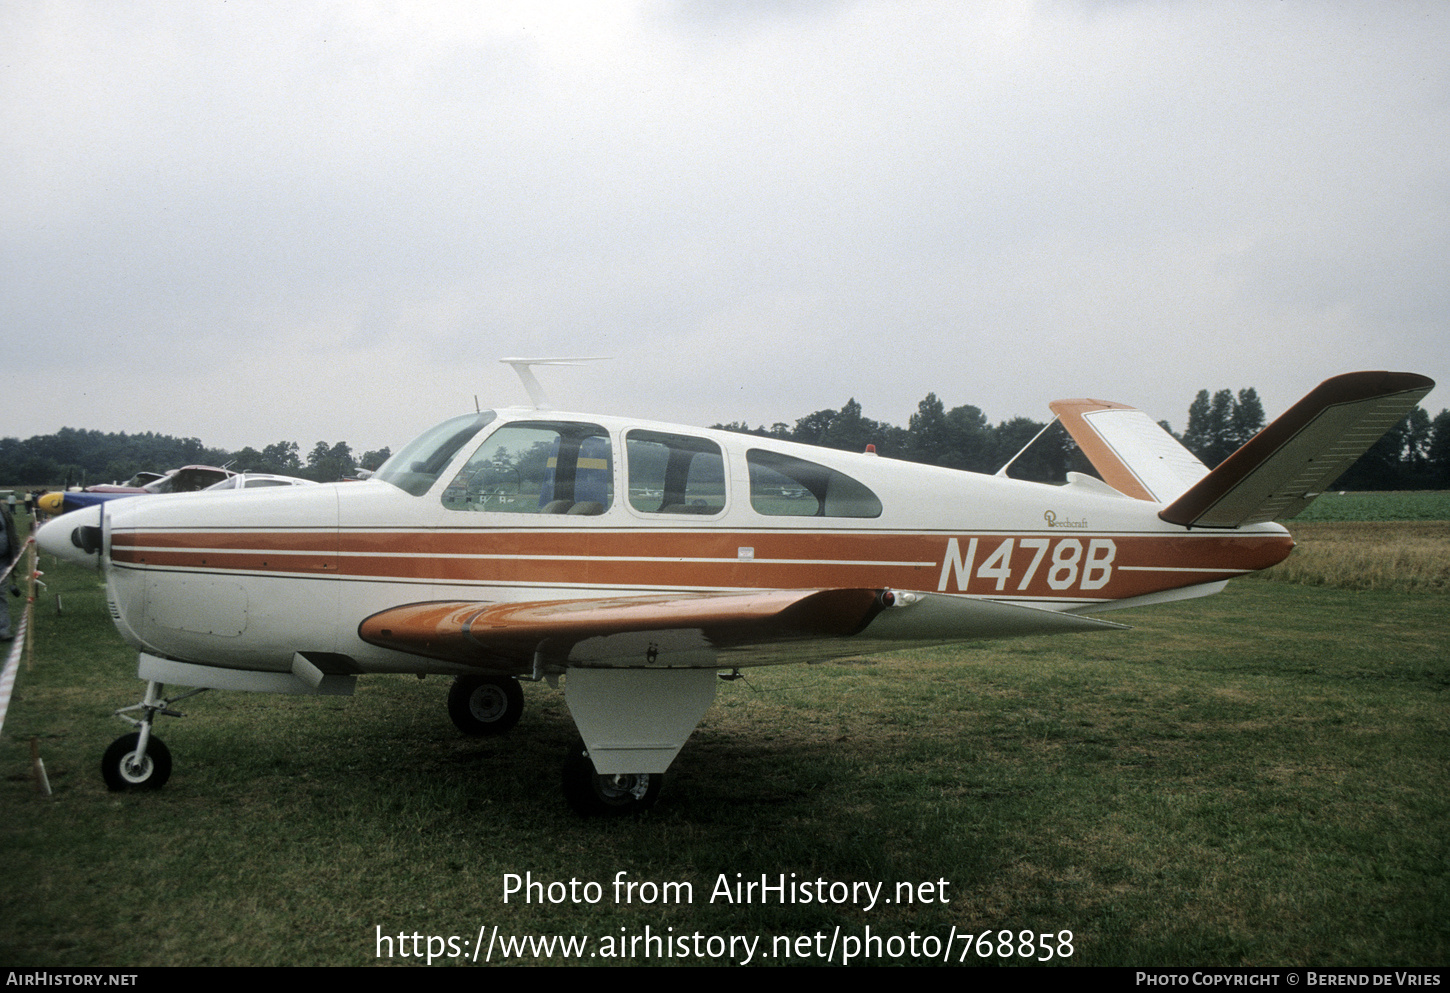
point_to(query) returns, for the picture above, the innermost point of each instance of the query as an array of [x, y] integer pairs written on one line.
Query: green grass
[[1386, 541], [1253, 778], [1410, 505], [1407, 556]]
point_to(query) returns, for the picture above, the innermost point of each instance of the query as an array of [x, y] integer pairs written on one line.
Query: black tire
[[117, 768], [480, 706], [593, 795]]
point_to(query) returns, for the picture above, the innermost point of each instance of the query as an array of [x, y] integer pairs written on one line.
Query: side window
[[783, 486], [537, 467], [674, 474]]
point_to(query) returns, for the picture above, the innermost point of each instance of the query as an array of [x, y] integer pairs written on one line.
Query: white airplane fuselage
[[248, 579]]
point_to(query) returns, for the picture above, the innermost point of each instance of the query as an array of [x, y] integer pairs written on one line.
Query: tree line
[[1415, 454], [73, 457]]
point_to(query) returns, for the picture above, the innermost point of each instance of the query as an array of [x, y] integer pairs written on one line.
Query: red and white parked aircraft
[[637, 559]]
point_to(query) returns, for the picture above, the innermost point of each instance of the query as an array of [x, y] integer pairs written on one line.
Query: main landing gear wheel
[[594, 795], [485, 705], [123, 772]]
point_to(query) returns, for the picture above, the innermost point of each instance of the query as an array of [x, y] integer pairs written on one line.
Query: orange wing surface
[[467, 631], [679, 624]]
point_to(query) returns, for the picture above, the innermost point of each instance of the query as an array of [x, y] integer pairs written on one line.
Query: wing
[[691, 630]]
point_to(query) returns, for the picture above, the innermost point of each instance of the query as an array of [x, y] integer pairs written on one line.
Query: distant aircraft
[[187, 479], [258, 480], [638, 559]]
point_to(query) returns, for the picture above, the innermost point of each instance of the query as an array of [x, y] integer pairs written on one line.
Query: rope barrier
[[16, 561], [17, 645]]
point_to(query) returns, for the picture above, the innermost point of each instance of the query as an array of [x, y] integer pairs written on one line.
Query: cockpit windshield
[[417, 466]]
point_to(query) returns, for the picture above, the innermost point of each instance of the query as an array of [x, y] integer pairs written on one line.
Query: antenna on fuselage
[[1023, 450], [536, 392]]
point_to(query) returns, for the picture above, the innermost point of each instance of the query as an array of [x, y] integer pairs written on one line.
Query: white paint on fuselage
[[267, 617]]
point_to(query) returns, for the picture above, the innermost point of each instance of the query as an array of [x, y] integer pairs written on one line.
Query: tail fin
[[1134, 455], [1280, 471]]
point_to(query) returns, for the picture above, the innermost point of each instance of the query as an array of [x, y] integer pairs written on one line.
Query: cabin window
[[674, 474], [418, 465], [537, 467], [784, 486]]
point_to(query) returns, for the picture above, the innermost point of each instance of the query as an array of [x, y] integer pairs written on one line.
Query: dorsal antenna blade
[[526, 375]]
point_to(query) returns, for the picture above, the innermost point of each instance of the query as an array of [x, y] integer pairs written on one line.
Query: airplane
[[187, 479], [258, 480], [642, 560]]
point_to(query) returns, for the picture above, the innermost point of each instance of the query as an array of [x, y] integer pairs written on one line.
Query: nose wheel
[[139, 761], [128, 766]]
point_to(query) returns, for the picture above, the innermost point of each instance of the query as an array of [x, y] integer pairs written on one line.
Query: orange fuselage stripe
[[1071, 565]]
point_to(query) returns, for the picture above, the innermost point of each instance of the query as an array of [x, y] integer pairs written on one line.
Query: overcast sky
[[249, 222]]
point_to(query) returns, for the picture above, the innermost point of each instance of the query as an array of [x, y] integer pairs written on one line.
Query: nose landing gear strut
[[139, 761]]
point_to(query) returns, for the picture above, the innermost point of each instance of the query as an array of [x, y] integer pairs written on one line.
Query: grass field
[[1258, 777], [1409, 556], [1410, 505], [1367, 541]]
